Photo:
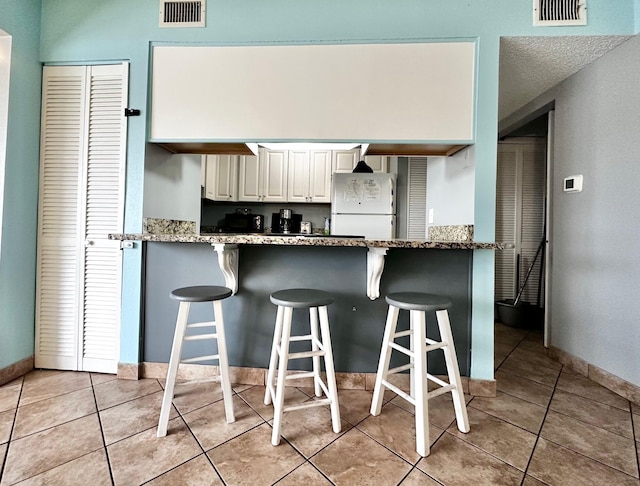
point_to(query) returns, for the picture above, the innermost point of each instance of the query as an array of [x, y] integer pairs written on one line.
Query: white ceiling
[[529, 66]]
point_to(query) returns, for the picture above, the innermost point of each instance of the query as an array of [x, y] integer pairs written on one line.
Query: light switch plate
[[430, 215]]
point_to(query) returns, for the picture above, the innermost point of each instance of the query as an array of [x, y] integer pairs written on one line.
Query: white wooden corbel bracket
[[375, 266], [228, 262]]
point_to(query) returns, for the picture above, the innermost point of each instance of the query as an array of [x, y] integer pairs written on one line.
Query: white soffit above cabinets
[[376, 93]]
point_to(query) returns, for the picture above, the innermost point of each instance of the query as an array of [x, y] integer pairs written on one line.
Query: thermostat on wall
[[573, 183]]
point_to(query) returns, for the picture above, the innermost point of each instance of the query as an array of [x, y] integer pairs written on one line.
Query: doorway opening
[[522, 211]]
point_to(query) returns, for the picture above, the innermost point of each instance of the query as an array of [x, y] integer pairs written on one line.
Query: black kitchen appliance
[[243, 221], [293, 222]]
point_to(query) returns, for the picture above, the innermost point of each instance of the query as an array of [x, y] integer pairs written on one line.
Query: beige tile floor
[[547, 425]]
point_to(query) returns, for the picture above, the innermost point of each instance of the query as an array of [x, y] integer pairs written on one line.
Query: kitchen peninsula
[[350, 268]]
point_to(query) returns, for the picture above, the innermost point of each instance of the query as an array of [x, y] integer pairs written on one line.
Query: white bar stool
[[186, 296], [316, 301], [418, 304]]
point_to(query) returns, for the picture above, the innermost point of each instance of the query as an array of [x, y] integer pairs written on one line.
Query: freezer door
[[363, 193], [371, 226]]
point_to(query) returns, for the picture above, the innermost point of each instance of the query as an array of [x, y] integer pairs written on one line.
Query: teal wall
[[97, 31], [21, 20]]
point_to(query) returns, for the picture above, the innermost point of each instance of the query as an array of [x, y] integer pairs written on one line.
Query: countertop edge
[[246, 239]]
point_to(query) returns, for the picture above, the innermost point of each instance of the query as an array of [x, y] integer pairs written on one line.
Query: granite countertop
[[306, 240], [458, 237]]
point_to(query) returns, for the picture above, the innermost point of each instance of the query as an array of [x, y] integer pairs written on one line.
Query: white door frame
[[548, 235], [5, 71]]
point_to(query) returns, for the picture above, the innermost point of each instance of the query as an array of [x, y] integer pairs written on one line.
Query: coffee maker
[[286, 221]]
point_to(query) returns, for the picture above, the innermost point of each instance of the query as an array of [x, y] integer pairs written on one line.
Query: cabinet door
[[379, 163], [320, 176], [345, 160], [299, 176], [249, 184], [221, 178], [274, 172]]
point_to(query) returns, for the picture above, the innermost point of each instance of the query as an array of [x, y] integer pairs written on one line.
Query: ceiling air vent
[[559, 12], [182, 14]]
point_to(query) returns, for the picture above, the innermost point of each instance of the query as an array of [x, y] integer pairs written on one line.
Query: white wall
[[595, 235], [450, 188], [171, 185], [351, 92]]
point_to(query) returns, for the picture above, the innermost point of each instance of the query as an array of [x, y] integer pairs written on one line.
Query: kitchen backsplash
[[460, 232], [158, 226]]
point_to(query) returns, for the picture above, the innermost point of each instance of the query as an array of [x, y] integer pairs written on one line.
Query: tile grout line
[[546, 413], [555, 389], [104, 443], [15, 416], [181, 415], [59, 465], [199, 444], [633, 431], [533, 449]]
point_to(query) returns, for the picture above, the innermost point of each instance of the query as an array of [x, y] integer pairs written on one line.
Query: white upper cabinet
[[221, 177], [249, 183], [310, 176], [379, 163], [345, 160], [263, 178]]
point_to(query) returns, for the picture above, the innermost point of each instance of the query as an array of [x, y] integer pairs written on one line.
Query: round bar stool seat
[[418, 301], [186, 296], [201, 293], [418, 304], [316, 301], [300, 298]]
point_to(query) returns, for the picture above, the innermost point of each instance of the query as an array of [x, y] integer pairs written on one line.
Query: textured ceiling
[[529, 66]]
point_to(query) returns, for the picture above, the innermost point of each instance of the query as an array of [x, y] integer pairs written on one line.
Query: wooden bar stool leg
[[313, 323], [223, 362], [453, 371], [269, 393], [174, 361], [385, 357], [412, 361], [278, 403], [328, 365], [419, 337]]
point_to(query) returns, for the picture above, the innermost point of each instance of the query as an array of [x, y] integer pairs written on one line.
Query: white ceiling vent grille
[[559, 12], [182, 14]]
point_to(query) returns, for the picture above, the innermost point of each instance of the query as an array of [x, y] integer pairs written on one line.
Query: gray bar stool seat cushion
[[418, 301], [300, 298], [201, 293]]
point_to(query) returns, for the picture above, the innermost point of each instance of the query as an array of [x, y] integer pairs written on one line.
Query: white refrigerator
[[364, 204]]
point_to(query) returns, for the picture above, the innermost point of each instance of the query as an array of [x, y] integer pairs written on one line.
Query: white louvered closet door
[[81, 201], [506, 228], [532, 219], [520, 210], [417, 198]]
